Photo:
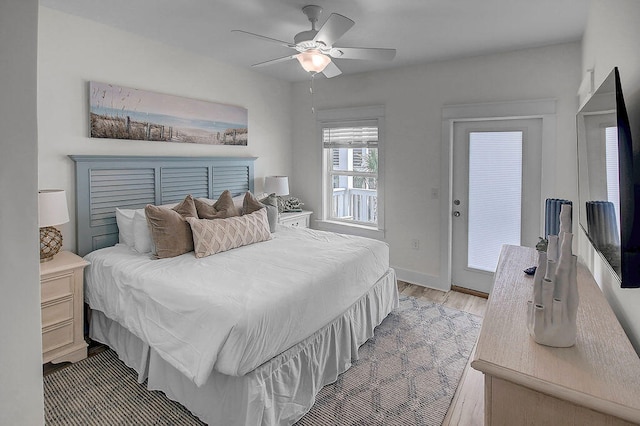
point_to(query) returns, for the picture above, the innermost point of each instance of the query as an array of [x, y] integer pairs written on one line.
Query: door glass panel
[[495, 196]]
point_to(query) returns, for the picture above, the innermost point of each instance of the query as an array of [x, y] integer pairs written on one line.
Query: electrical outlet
[[415, 244]]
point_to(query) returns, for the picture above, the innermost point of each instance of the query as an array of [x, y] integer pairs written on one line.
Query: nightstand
[[298, 219], [61, 301]]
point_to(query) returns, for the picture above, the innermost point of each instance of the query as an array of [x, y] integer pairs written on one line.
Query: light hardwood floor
[[467, 407]]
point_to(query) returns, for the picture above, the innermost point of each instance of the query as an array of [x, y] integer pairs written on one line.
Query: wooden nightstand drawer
[[57, 336], [296, 219], [300, 223], [57, 287], [56, 312]]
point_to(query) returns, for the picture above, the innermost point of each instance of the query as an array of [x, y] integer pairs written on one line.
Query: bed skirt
[[280, 391]]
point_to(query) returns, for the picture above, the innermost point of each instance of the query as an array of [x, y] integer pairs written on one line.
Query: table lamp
[[278, 185], [52, 211]]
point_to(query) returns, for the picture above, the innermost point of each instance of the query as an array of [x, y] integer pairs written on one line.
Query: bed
[[244, 337]]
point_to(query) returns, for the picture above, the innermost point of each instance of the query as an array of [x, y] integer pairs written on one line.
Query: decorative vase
[[553, 309]]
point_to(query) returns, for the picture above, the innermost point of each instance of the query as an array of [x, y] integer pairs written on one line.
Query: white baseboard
[[421, 279]]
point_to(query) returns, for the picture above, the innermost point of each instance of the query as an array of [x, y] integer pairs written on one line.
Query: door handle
[[456, 214]]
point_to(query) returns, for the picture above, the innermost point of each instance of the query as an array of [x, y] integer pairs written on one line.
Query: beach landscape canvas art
[[118, 112]]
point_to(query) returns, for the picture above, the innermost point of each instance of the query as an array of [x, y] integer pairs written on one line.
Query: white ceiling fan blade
[[331, 70], [274, 61], [272, 40], [333, 29], [371, 54]]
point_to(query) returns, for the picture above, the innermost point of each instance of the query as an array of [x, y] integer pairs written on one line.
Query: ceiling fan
[[315, 47]]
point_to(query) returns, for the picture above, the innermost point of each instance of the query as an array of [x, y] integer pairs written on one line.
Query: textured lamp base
[[50, 243]]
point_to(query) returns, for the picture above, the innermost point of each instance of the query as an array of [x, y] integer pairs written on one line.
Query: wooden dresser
[[61, 289], [595, 382]]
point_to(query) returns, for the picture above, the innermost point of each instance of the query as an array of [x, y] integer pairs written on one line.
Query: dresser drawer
[[56, 287], [57, 336], [56, 312]]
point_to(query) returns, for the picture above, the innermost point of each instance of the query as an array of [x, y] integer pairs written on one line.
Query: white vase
[[535, 304], [552, 312]]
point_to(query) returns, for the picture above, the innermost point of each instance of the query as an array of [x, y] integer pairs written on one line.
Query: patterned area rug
[[407, 374], [102, 390]]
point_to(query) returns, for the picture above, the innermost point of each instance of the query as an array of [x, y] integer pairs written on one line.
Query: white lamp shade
[[278, 185], [52, 207], [313, 61]]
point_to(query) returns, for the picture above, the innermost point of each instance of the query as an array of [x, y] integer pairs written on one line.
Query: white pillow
[[143, 242], [261, 195], [124, 220], [133, 229]]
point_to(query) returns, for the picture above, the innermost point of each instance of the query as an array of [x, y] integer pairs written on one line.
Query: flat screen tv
[[608, 187]]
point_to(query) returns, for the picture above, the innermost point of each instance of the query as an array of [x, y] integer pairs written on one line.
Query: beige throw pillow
[[250, 203], [221, 209], [218, 235], [170, 232]]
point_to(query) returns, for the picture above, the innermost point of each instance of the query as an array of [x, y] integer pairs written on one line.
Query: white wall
[[73, 51], [611, 39], [21, 401], [413, 98]]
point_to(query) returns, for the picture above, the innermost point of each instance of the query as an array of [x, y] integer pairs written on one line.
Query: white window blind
[[350, 137]]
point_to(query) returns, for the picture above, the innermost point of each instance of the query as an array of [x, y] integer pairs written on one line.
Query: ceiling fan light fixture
[[313, 61]]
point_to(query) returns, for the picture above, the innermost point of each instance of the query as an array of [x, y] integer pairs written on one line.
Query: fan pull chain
[[311, 90]]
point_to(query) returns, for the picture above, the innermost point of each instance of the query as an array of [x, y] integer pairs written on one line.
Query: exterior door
[[496, 195]]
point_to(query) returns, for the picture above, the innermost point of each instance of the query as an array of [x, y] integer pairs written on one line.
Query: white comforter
[[234, 310]]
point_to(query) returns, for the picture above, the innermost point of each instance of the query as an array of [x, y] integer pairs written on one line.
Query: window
[[353, 173], [351, 167]]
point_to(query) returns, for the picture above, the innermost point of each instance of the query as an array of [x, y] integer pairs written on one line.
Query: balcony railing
[[359, 205]]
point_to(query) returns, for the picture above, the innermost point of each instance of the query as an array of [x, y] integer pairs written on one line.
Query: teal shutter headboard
[[105, 182]]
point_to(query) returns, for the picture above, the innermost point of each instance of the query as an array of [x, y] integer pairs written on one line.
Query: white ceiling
[[421, 30]]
